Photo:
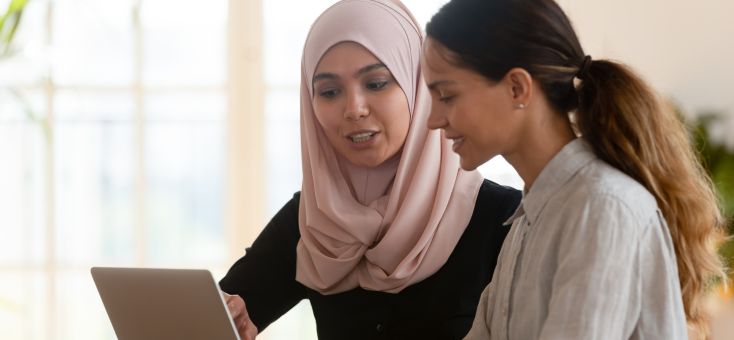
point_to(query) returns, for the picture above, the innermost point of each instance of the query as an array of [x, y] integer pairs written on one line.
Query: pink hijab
[[391, 226]]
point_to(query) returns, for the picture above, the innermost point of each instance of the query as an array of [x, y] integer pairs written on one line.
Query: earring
[[520, 106]]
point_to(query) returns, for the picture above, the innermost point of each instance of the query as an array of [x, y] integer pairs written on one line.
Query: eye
[[376, 85], [329, 92], [446, 99]]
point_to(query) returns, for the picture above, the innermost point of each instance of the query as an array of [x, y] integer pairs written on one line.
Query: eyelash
[[446, 99], [329, 93], [375, 85], [380, 84]]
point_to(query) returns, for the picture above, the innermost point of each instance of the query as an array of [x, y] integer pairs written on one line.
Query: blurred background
[[164, 133]]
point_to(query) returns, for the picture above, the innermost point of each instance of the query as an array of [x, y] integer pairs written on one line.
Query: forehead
[[433, 59], [345, 56], [438, 69]]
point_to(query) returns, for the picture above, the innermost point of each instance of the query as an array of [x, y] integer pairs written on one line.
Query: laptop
[[164, 304]]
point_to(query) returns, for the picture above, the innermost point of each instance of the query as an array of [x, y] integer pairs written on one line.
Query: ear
[[520, 84]]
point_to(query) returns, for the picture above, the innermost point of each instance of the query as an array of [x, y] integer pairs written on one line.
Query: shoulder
[[608, 191], [496, 199], [290, 209], [495, 203], [295, 200], [493, 189], [283, 225]]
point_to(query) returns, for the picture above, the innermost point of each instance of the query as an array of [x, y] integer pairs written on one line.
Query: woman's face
[[360, 106], [474, 112]]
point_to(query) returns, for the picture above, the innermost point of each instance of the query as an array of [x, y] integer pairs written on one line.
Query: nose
[[436, 119], [356, 106]]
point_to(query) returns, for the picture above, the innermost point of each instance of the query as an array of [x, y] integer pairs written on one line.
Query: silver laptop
[[164, 304]]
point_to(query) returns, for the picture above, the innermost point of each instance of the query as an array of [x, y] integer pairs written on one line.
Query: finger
[[235, 309], [242, 333], [235, 312], [250, 331], [242, 330], [228, 298]]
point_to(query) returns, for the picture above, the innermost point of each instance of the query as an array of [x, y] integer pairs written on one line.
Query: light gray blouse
[[589, 256]]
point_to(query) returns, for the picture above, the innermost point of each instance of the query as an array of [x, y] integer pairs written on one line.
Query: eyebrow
[[432, 86], [361, 71]]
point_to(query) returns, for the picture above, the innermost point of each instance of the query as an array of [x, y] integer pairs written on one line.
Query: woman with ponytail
[[616, 235]]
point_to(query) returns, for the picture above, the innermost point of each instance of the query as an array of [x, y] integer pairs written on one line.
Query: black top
[[440, 307]]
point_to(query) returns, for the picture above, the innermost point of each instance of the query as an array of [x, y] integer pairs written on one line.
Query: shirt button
[[379, 327]]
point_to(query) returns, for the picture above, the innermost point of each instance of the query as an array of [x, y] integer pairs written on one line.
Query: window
[[112, 138]]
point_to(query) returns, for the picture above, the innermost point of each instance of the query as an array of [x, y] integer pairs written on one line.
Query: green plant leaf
[[3, 18], [13, 29], [9, 22], [17, 5]]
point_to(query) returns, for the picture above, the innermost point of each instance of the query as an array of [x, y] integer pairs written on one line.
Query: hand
[[246, 329]]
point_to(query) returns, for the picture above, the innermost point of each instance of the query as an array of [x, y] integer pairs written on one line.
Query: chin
[[366, 162], [467, 164]]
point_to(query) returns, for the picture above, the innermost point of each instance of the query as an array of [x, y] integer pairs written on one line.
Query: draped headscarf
[[387, 227]]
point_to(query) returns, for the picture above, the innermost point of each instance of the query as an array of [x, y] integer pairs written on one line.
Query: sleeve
[[595, 290], [663, 313], [265, 277]]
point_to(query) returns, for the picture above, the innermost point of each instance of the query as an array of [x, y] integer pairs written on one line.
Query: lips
[[361, 136], [457, 142]]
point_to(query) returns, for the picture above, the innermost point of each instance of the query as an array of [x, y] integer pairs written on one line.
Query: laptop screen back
[[162, 304]]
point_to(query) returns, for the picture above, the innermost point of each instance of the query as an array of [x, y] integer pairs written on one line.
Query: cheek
[[481, 120], [327, 117], [487, 112], [495, 131], [469, 117]]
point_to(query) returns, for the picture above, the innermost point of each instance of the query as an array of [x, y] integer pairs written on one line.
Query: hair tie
[[584, 68]]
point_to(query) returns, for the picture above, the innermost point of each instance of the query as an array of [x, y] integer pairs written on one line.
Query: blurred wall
[[684, 48]]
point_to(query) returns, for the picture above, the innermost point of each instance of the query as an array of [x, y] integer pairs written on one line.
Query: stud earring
[[520, 106]]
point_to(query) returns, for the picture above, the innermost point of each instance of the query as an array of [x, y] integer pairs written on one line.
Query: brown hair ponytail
[[613, 109], [631, 129]]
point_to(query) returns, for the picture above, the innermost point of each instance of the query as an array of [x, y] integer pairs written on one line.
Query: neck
[[543, 138]]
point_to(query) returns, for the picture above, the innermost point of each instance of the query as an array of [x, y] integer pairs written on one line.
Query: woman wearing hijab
[[384, 238]]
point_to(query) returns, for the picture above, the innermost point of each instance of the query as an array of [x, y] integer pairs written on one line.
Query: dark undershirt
[[440, 307]]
